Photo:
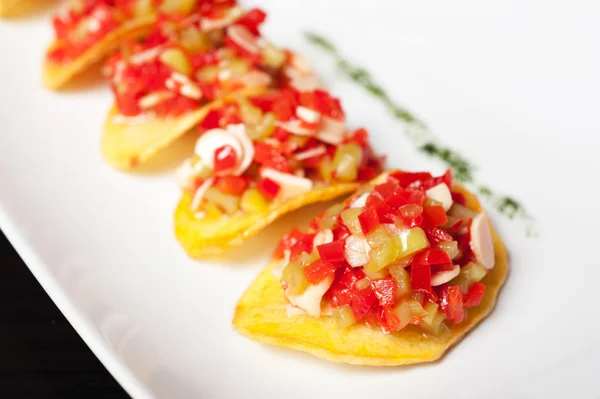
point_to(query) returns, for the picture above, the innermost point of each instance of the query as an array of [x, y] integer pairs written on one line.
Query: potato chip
[[56, 75], [204, 237], [261, 315], [127, 142]]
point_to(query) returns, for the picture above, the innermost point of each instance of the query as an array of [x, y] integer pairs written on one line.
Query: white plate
[[513, 85]]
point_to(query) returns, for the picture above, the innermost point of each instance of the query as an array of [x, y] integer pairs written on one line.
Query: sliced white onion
[[199, 194], [360, 202], [152, 99], [255, 79], [310, 299], [214, 139], [145, 56], [323, 237], [310, 153], [243, 38], [291, 186], [308, 115], [306, 82], [331, 131], [441, 193], [191, 90], [356, 250], [481, 243], [440, 278], [296, 127], [300, 63], [239, 131]]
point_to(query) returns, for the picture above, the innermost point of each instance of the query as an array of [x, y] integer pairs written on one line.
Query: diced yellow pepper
[[176, 59], [253, 201]]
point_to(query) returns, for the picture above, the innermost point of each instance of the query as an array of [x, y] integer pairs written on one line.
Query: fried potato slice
[[126, 145], [212, 237], [8, 6], [56, 75], [261, 315]]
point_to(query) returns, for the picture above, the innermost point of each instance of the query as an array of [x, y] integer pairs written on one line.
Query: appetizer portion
[[260, 157], [394, 275], [165, 85], [86, 31]]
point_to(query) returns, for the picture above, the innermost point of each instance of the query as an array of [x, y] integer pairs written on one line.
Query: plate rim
[[90, 335]]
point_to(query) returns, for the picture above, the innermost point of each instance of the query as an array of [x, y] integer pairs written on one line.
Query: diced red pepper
[[420, 278], [319, 271], [270, 156], [234, 185], [340, 292], [431, 256], [451, 303], [340, 232], [458, 198], [362, 301], [441, 267], [387, 319], [446, 178], [360, 137], [475, 295], [434, 216], [437, 235], [407, 178], [252, 20], [369, 220], [383, 209], [225, 158], [304, 244], [211, 120], [284, 108], [387, 188], [287, 241], [333, 251], [268, 187], [385, 290]]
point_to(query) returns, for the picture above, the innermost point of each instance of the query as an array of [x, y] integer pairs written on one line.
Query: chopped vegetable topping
[[393, 256], [242, 149], [192, 58]]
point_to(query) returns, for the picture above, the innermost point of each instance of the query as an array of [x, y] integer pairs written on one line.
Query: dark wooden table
[[41, 355]]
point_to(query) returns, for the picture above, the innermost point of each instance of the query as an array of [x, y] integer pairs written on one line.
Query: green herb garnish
[[421, 136]]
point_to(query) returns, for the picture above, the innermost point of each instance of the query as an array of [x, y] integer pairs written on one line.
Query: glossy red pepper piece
[[234, 185], [368, 220], [437, 235], [420, 278], [332, 252], [474, 296], [252, 20], [451, 303], [268, 188], [431, 256], [225, 158], [319, 271], [434, 216], [385, 290]]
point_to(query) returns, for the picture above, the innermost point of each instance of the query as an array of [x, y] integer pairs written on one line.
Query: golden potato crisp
[[202, 237], [56, 75], [261, 315], [128, 142]]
